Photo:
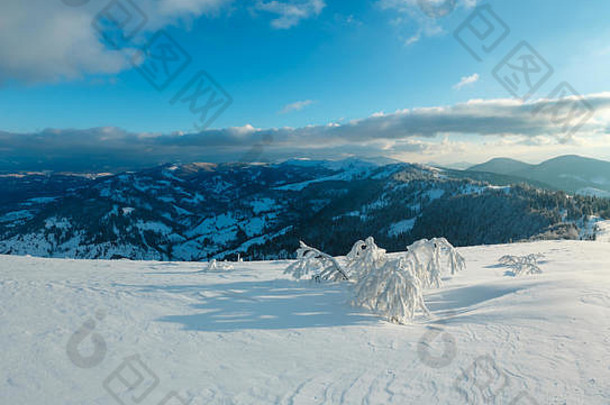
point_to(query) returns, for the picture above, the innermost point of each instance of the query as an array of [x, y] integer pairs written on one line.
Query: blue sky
[[299, 63]]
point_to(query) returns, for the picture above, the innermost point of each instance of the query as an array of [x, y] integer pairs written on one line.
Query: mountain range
[[573, 174], [201, 211]]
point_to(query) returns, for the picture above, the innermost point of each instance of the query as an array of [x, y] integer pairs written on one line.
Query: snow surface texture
[[252, 335]]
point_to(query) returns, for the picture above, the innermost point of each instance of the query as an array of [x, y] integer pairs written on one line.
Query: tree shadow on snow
[[458, 305], [277, 304], [495, 266]]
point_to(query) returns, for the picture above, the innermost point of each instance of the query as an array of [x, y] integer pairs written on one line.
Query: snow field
[[253, 335]]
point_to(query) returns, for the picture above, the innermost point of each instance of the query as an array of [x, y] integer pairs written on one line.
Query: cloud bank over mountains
[[432, 131]]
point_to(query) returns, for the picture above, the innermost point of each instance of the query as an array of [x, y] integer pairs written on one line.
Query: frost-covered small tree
[[508, 260], [216, 265], [390, 285], [320, 265], [454, 260], [522, 265], [392, 290], [433, 258], [364, 257]]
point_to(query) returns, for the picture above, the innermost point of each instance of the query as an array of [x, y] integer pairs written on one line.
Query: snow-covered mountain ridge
[[204, 211]]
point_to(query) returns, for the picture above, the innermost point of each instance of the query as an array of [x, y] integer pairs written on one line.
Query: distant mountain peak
[[501, 165], [570, 173]]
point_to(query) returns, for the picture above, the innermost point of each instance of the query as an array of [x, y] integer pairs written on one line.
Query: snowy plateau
[[84, 331]]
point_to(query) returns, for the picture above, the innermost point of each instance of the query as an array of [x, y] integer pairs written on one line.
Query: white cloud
[[467, 80], [49, 40], [413, 39], [290, 13], [430, 8], [427, 15], [296, 106], [182, 8], [43, 40]]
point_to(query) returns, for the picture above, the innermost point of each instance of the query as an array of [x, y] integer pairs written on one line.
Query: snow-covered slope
[[251, 335]]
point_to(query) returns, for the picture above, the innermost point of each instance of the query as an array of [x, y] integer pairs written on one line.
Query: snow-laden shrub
[[392, 290], [364, 257], [393, 286], [433, 258], [216, 265], [320, 265], [390, 285], [522, 265]]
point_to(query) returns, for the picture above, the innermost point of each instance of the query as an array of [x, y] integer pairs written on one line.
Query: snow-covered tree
[[320, 265], [216, 265], [364, 257], [392, 290], [454, 260], [433, 258], [522, 265], [390, 285]]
